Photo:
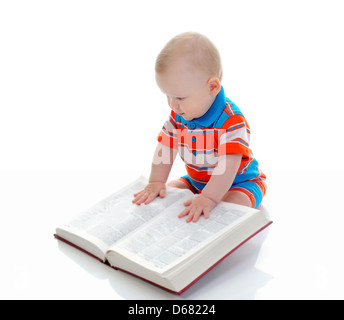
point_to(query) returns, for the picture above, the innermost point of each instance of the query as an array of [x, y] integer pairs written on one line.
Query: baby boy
[[208, 130]]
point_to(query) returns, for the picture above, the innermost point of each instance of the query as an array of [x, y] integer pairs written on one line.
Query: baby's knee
[[238, 197], [177, 184]]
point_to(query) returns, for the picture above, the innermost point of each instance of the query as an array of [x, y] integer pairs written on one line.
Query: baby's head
[[189, 71]]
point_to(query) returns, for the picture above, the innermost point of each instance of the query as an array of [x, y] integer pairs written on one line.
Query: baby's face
[[187, 89]]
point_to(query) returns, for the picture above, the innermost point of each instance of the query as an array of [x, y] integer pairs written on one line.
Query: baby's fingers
[[188, 203], [140, 198], [150, 197], [194, 215], [162, 193], [137, 194], [206, 212], [184, 213]]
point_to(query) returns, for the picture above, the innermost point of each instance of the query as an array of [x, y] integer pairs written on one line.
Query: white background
[[80, 112]]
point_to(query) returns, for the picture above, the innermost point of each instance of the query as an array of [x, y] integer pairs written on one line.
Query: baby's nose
[[175, 106]]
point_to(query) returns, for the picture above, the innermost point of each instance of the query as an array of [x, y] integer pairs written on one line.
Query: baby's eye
[[180, 99]]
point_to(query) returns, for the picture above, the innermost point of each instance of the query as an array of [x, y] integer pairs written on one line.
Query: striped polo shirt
[[221, 130]]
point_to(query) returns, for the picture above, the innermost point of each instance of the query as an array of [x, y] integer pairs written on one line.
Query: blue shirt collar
[[211, 115]]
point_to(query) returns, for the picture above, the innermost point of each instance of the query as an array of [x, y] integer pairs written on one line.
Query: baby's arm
[[161, 166], [221, 180]]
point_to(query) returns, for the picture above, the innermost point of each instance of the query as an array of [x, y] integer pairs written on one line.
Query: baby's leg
[[237, 197], [183, 183], [178, 184], [249, 193]]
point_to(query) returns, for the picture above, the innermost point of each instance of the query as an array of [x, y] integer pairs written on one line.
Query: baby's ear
[[214, 86]]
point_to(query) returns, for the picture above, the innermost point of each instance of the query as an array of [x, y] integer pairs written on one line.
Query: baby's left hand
[[196, 207]]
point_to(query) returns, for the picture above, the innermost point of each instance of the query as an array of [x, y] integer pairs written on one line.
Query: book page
[[168, 240], [116, 216]]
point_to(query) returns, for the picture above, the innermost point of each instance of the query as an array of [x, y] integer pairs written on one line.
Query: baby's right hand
[[152, 190]]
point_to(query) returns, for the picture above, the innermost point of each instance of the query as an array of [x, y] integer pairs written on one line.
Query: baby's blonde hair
[[202, 51]]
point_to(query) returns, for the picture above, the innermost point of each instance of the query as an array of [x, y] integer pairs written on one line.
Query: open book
[[152, 243]]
